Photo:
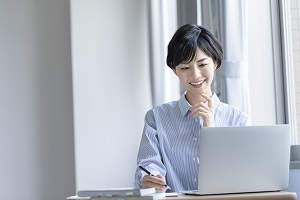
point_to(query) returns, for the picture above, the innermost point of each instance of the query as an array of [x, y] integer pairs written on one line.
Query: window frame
[[288, 114], [285, 105]]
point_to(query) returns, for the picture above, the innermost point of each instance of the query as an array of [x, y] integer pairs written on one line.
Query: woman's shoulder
[[229, 108], [165, 106], [163, 109], [231, 114]]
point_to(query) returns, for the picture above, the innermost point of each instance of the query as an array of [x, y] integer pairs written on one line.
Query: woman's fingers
[[200, 109], [203, 110], [209, 101], [158, 182]]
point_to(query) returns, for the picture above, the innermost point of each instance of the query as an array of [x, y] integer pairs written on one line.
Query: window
[[295, 29], [273, 55]]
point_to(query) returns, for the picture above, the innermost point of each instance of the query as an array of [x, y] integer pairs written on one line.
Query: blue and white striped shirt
[[170, 141]]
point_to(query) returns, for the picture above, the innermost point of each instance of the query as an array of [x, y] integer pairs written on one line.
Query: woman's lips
[[197, 84]]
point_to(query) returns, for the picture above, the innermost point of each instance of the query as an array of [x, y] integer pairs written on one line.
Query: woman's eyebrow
[[196, 61], [201, 60]]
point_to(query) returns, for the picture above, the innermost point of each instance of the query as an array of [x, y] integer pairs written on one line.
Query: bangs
[[186, 51], [184, 43]]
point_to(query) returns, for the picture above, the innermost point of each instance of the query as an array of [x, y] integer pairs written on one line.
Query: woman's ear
[[215, 66], [174, 70]]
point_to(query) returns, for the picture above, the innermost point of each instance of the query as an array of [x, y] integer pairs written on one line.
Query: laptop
[[243, 159]]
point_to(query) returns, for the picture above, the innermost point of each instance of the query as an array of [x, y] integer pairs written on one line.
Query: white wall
[[111, 89], [111, 92], [261, 72], [36, 122]]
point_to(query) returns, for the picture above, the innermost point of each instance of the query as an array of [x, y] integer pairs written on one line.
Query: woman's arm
[[150, 158]]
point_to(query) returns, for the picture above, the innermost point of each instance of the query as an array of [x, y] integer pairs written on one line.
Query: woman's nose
[[196, 72]]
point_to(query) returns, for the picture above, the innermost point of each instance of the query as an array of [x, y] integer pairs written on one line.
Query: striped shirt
[[170, 141]]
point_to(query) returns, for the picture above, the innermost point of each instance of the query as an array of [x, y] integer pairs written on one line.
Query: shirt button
[[194, 159], [195, 179], [195, 139]]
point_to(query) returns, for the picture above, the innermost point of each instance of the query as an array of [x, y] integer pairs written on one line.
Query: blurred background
[[77, 78]]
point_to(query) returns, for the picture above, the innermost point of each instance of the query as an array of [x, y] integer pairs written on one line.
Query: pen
[[149, 173]]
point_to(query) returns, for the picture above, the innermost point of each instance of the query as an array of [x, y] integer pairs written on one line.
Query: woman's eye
[[202, 65], [184, 68]]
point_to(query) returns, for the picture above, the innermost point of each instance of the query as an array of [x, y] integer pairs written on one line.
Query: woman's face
[[197, 75]]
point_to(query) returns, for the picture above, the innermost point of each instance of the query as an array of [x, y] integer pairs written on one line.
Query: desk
[[248, 196]]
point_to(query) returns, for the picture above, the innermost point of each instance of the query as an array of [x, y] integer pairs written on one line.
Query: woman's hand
[[206, 111], [158, 182]]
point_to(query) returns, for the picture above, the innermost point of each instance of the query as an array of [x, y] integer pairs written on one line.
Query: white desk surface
[[245, 196]]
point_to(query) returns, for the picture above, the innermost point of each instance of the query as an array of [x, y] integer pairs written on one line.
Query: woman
[[170, 142]]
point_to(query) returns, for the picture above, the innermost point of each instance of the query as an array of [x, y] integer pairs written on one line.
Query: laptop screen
[[243, 159]]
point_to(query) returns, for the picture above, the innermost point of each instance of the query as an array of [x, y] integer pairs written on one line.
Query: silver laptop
[[243, 159]]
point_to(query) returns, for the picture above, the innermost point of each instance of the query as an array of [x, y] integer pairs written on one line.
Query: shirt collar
[[184, 105]]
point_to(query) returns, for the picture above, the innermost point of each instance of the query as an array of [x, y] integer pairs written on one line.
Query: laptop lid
[[244, 159]]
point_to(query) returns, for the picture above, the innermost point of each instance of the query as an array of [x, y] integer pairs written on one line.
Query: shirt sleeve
[[149, 155], [243, 119]]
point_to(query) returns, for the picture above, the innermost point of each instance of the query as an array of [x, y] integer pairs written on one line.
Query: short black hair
[[186, 40]]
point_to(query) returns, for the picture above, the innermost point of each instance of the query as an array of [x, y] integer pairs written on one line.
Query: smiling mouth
[[197, 83]]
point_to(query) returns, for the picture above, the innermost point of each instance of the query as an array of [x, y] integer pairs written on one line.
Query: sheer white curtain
[[162, 25], [234, 75], [156, 51]]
